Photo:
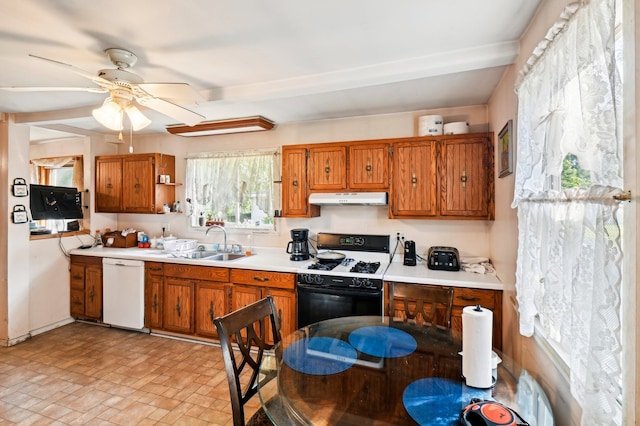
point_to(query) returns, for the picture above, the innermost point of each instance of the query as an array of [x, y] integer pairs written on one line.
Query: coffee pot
[[298, 247]]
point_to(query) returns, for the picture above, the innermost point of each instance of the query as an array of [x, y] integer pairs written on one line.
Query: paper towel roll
[[477, 326]]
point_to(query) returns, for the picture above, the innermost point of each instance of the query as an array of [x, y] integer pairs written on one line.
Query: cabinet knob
[[463, 178], [368, 168], [414, 180], [327, 169]]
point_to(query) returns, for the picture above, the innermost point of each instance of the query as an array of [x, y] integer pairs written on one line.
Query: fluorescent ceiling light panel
[[218, 127]]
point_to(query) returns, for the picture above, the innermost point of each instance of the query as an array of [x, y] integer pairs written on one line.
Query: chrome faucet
[[224, 231]]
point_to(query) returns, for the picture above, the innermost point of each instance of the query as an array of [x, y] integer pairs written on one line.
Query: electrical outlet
[[165, 226], [399, 236]]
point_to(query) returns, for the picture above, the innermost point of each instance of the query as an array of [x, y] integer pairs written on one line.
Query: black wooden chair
[[247, 328], [428, 305]]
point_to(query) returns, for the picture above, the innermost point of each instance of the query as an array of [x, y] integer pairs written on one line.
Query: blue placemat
[[383, 341], [320, 356], [436, 401]]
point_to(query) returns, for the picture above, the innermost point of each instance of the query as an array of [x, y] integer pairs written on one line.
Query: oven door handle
[[333, 291]]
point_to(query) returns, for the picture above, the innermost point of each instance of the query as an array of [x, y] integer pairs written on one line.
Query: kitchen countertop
[[276, 260], [420, 274]]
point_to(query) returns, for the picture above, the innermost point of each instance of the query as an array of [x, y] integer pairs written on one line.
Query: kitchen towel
[[477, 329]]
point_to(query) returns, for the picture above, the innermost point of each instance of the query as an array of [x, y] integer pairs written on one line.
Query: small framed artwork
[[505, 149]]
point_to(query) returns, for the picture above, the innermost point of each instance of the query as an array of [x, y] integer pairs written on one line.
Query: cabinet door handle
[[327, 169], [211, 312], [155, 269], [469, 298], [77, 277], [92, 293], [179, 308], [295, 180], [463, 178], [414, 180], [155, 303], [368, 168], [261, 279]]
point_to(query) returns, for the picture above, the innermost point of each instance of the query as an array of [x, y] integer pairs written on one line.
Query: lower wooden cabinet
[[251, 285], [153, 291], [178, 305], [192, 297], [211, 302], [86, 287], [463, 296]]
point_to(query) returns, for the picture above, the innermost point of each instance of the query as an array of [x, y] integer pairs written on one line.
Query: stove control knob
[[357, 282], [307, 278], [318, 279]]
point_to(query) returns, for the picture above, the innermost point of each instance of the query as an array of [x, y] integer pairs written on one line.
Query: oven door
[[321, 303]]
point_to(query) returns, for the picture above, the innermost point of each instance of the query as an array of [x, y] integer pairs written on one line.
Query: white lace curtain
[[223, 182], [569, 249]]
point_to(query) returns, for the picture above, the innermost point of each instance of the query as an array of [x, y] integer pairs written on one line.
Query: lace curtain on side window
[[569, 249], [232, 184]]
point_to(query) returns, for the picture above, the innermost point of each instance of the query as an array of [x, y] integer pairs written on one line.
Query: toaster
[[443, 258]]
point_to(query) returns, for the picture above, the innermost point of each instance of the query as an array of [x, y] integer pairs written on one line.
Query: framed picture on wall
[[505, 149]]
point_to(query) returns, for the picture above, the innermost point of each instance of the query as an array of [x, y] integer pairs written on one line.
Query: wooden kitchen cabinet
[[86, 287], [192, 296], [153, 291], [249, 286], [466, 177], [211, 302], [327, 167], [443, 177], [463, 296], [369, 166], [414, 179], [178, 305], [295, 185], [130, 183]]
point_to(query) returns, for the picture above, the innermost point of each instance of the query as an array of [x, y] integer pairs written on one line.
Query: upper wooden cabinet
[[466, 177], [435, 177], [130, 183], [414, 179], [328, 167], [369, 166], [295, 186], [443, 177]]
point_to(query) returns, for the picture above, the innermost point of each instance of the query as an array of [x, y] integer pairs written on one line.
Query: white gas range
[[345, 277]]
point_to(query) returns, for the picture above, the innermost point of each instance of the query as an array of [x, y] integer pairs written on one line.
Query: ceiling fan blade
[[172, 110], [179, 92], [54, 89], [104, 83]]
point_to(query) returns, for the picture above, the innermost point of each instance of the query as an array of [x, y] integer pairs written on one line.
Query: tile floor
[[83, 374]]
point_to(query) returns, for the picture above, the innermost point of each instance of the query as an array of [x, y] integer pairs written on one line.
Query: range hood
[[348, 198]]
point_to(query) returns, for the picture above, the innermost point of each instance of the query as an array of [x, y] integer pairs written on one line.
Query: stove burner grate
[[327, 266], [365, 267]]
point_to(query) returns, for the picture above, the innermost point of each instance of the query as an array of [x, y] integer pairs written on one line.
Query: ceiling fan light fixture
[[137, 118], [218, 127], [109, 114]]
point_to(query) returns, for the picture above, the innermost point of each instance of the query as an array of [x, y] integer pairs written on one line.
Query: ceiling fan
[[125, 87]]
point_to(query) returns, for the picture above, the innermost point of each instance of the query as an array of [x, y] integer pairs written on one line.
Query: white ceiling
[[287, 60]]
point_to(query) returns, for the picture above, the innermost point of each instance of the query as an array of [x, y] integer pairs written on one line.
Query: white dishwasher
[[123, 293]]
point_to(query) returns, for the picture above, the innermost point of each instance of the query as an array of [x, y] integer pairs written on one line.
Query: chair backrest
[[429, 305], [247, 328]]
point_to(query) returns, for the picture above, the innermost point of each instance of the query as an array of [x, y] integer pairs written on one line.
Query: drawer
[[154, 268], [263, 278], [77, 277], [77, 303], [470, 296], [204, 273]]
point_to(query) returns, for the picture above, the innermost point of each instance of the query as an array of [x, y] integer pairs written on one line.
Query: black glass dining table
[[372, 370]]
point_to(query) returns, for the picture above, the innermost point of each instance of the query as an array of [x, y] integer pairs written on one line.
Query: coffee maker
[[298, 247]]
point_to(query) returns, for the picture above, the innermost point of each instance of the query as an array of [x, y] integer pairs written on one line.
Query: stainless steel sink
[[226, 256], [200, 254]]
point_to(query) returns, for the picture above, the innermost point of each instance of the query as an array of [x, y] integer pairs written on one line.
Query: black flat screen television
[[55, 202]]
